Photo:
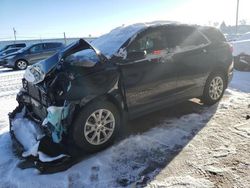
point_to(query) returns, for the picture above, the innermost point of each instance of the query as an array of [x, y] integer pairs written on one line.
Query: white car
[[241, 52]]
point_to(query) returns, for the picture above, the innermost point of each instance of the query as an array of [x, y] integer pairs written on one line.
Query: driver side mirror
[[136, 55]]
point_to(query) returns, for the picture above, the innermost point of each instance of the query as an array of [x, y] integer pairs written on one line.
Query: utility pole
[[64, 36], [237, 17], [14, 35]]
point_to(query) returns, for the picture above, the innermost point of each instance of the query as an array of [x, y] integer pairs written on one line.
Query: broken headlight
[[34, 74]]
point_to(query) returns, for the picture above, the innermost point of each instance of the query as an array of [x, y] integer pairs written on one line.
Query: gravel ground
[[218, 155]]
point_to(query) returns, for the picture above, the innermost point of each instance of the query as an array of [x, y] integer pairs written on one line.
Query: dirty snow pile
[[208, 147]]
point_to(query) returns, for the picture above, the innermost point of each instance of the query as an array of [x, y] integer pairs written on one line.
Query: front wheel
[[214, 88], [21, 65], [96, 126]]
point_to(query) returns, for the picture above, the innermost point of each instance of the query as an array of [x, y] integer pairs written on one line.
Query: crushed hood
[[37, 72]]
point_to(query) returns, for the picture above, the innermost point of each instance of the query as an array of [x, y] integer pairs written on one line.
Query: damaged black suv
[[82, 93]]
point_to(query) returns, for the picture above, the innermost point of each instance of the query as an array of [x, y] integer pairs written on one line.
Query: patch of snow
[[45, 158], [214, 170], [32, 151], [124, 162], [28, 134]]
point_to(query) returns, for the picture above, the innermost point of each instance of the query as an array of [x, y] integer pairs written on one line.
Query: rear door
[[149, 81], [192, 60]]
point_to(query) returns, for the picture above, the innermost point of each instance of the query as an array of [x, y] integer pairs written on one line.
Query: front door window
[[36, 48]]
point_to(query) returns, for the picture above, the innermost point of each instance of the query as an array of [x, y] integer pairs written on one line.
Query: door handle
[[204, 51]]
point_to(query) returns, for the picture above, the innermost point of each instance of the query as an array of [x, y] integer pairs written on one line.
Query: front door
[[35, 54], [150, 79], [50, 49]]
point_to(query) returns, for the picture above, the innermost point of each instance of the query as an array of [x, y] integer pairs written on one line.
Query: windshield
[[110, 43]]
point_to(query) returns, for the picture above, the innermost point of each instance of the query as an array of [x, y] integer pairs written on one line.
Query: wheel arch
[[115, 98], [221, 68]]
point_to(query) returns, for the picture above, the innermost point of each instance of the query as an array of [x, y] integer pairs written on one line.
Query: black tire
[[207, 98], [79, 126], [21, 64]]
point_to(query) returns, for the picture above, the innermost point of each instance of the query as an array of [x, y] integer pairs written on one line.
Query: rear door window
[[214, 35], [182, 38]]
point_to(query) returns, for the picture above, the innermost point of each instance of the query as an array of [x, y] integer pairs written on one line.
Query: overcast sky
[[79, 18]]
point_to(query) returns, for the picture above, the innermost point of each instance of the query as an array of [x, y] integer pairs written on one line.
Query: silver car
[[31, 54]]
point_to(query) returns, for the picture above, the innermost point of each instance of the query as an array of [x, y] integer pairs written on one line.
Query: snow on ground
[[241, 81], [205, 148]]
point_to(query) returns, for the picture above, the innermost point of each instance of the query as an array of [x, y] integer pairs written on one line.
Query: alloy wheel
[[216, 88], [99, 127], [21, 65]]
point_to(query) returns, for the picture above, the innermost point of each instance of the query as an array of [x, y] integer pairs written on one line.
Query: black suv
[[31, 54], [126, 73]]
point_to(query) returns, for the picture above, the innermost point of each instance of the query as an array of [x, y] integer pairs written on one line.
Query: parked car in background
[[126, 73], [5, 53], [8, 51], [242, 62], [245, 36], [241, 52], [31, 54], [232, 37], [18, 45]]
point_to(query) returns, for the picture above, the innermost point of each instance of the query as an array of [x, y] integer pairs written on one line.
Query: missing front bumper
[[46, 146]]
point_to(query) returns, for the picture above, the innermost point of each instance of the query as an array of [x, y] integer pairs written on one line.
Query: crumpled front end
[[38, 132], [52, 92]]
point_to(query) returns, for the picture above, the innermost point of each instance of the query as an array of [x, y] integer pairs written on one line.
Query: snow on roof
[[110, 43]]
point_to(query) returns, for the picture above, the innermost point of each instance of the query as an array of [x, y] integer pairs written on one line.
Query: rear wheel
[[21, 64], [96, 126], [214, 88]]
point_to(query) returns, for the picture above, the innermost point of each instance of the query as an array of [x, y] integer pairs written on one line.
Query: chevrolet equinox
[[82, 93]]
